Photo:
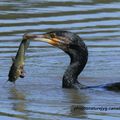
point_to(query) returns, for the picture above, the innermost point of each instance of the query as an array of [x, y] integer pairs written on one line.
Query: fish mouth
[[14, 74], [22, 75], [51, 39]]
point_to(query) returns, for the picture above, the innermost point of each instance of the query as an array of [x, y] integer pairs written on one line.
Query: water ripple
[[39, 95]]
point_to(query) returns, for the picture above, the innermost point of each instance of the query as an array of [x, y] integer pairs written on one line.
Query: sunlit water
[[39, 96]]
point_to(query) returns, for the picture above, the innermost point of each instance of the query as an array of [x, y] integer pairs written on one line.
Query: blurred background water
[[39, 95]]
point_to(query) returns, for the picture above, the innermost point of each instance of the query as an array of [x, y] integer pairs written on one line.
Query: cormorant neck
[[77, 64]]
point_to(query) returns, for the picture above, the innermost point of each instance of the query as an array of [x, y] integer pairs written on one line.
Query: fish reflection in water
[[15, 106], [17, 95]]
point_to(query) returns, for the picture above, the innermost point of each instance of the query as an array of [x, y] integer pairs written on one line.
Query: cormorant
[[71, 44], [75, 47]]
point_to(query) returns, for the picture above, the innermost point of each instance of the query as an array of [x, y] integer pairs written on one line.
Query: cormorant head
[[71, 44], [67, 41]]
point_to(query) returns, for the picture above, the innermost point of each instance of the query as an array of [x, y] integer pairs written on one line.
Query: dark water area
[[39, 96]]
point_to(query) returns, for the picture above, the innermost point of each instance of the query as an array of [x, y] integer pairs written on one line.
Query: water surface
[[39, 95]]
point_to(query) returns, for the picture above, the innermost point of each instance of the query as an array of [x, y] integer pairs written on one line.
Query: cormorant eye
[[53, 35]]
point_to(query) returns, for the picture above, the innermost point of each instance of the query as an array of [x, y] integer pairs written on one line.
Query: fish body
[[17, 67]]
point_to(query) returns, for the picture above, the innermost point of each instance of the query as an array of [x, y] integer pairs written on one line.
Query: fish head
[[15, 72]]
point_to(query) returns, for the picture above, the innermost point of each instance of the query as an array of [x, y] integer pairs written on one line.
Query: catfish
[[17, 67]]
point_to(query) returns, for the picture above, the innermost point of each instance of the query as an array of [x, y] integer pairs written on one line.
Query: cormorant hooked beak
[[48, 38]]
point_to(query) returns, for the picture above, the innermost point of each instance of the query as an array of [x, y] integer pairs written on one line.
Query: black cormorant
[[71, 44], [74, 46]]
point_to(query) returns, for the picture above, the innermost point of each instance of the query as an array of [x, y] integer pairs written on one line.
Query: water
[[39, 95]]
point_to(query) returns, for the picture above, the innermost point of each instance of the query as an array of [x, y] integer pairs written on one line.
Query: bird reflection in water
[[77, 100]]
